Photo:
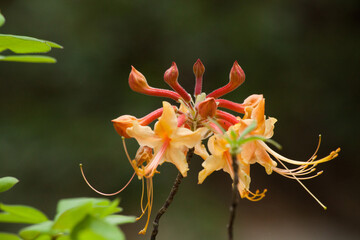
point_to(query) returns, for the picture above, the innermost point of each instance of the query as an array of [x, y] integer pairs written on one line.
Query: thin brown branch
[[170, 198], [235, 197]]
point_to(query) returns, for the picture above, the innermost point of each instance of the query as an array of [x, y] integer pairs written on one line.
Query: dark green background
[[303, 55]]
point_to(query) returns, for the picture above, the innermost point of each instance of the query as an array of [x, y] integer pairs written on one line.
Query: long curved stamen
[[150, 169], [127, 153], [101, 193], [257, 196], [311, 194], [331, 156], [150, 195]]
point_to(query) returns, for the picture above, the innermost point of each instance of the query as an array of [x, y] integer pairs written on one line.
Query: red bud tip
[[237, 75], [171, 75], [137, 81], [207, 108], [199, 70]]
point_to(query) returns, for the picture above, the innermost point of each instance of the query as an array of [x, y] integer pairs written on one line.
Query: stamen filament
[[311, 194], [331, 156], [101, 193], [150, 169]]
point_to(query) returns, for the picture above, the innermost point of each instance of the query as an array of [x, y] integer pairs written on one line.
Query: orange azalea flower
[[170, 142], [257, 151]]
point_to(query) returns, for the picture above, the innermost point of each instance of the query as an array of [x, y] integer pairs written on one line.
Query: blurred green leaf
[[34, 231], [7, 182], [102, 210], [69, 218], [96, 229], [66, 204], [22, 44], [28, 58], [120, 219], [44, 237], [8, 236], [2, 19], [21, 214], [64, 237]]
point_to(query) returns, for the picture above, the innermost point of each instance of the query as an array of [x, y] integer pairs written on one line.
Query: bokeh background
[[303, 55]]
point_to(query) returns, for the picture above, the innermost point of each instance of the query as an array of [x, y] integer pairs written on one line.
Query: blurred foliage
[[22, 44], [303, 55], [76, 218]]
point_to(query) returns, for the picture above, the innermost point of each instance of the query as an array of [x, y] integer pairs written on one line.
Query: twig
[[170, 198], [235, 199]]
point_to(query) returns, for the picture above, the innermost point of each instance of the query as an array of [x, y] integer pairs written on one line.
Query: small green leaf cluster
[[235, 141], [25, 45], [76, 219]]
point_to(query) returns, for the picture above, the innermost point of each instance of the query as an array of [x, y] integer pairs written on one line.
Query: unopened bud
[[199, 70], [207, 108], [171, 75], [237, 77], [138, 82], [122, 123]]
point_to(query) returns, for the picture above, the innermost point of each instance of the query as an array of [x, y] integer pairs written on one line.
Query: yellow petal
[[186, 137], [269, 127], [211, 164], [264, 159], [248, 152], [201, 151], [217, 145], [177, 157], [144, 135], [167, 123]]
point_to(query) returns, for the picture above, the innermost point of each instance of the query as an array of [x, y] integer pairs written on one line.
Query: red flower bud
[[138, 83], [171, 77], [199, 70], [237, 77], [207, 108]]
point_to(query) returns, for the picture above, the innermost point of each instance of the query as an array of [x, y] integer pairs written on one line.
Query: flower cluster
[[187, 126]]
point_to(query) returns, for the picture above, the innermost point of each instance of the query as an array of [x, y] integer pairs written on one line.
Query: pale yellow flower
[[220, 158], [170, 142]]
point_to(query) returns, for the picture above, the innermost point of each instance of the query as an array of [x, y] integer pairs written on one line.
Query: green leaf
[[66, 204], [44, 237], [34, 231], [64, 237], [247, 130], [21, 214], [120, 219], [2, 19], [104, 209], [28, 58], [22, 44], [72, 216], [8, 236], [96, 229], [7, 182]]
